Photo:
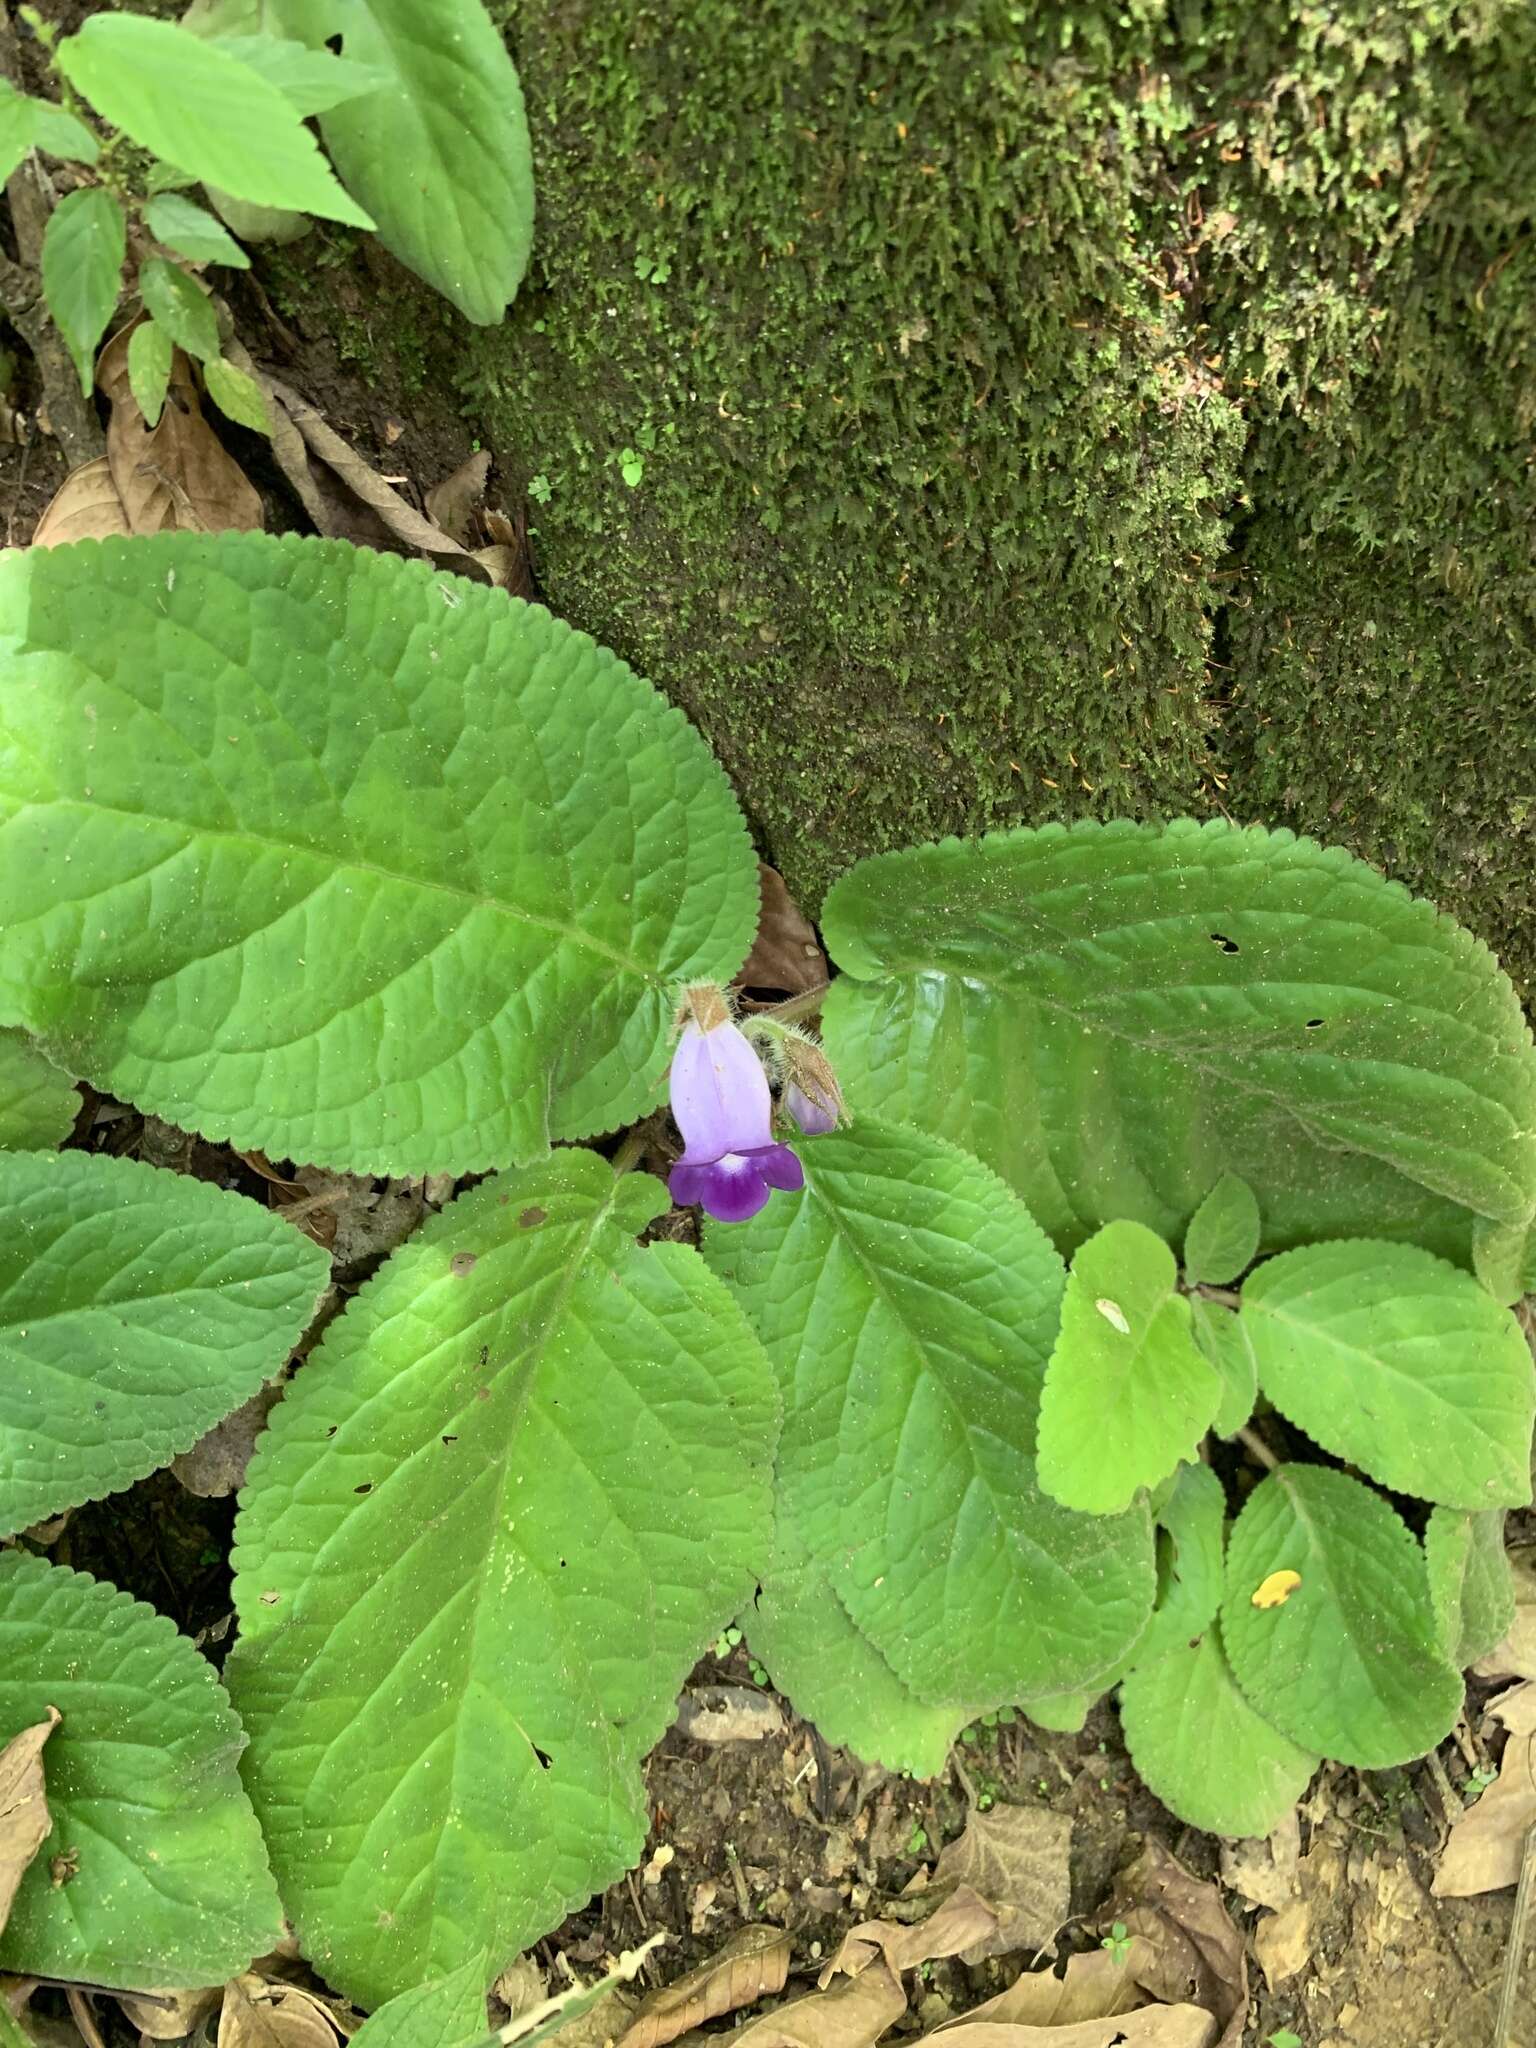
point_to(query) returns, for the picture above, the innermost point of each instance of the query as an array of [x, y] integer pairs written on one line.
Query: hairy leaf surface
[[38, 1103], [1470, 1582]]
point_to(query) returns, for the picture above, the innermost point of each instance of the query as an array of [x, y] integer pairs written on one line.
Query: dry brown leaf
[[1264, 1871], [1515, 1657], [1193, 1954], [1151, 2026], [1486, 1845], [961, 1921], [24, 1816], [86, 506], [852, 2014], [215, 1466], [521, 1986], [753, 1964], [785, 954], [257, 2014], [1094, 1986], [180, 477], [728, 1713], [451, 504], [1282, 1942], [506, 567], [601, 2025], [168, 2015], [1016, 1858]]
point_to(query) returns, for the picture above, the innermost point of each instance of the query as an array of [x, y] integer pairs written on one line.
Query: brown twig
[[1255, 1445], [1514, 1961]]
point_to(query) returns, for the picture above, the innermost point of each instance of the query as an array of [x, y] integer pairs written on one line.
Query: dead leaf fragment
[[1486, 1846], [962, 1921], [728, 1713], [1264, 1871], [257, 2014], [1151, 2026], [215, 1466], [1276, 1589], [786, 954], [452, 503], [753, 1964], [86, 506], [1094, 1986], [1282, 1942], [852, 2014], [1194, 1954], [168, 2015], [1515, 1657], [24, 1817], [1016, 1858], [178, 477]]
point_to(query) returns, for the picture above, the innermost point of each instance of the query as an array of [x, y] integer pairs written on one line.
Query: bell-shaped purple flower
[[722, 1106], [815, 1117]]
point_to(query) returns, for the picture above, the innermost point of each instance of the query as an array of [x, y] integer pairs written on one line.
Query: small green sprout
[[1118, 1944], [540, 489]]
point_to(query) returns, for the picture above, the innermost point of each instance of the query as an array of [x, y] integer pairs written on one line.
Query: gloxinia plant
[[723, 1107]]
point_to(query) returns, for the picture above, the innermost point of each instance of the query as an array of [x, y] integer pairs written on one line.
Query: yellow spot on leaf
[[1113, 1313], [1277, 1589]]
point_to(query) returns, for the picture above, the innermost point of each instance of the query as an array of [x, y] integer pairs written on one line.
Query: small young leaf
[[236, 395], [1469, 1581], [1401, 1364], [137, 1309], [16, 128], [58, 132], [192, 232], [513, 1493], [1350, 1663], [907, 1301], [180, 306], [1191, 1550], [1127, 1392], [445, 2012], [311, 80], [1223, 1337], [193, 104], [149, 369], [1063, 1712], [1201, 1747], [1223, 1235], [1504, 1258], [38, 1104], [83, 248], [154, 1871]]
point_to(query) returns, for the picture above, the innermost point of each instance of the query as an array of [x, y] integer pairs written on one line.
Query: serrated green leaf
[[321, 851], [313, 81], [1349, 1662], [137, 1309], [907, 1301], [38, 1103], [16, 128], [1222, 1240], [149, 369], [1191, 1551], [511, 1496], [1397, 1362], [193, 104], [445, 2013], [1219, 1332], [1065, 1003], [171, 1882], [237, 396], [1065, 1713], [1128, 1393], [1504, 1259], [58, 132], [452, 111], [1470, 1582], [1200, 1746], [179, 306], [192, 232], [83, 248]]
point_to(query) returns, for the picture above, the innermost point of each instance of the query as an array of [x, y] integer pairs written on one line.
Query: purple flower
[[814, 1117], [723, 1108]]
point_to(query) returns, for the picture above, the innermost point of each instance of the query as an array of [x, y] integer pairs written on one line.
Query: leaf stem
[[632, 1150], [805, 1005], [1227, 1296], [1253, 1443]]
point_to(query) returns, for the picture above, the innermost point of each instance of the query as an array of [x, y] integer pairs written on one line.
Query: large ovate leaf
[[83, 247], [1115, 1015], [452, 109], [908, 1302], [203, 110], [1128, 1393], [322, 852], [154, 1871], [38, 1104], [138, 1308], [501, 1511], [1191, 1554], [1397, 1362], [1348, 1661], [1470, 1582], [1201, 1747]]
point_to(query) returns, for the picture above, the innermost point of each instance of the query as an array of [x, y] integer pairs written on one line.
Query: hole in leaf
[[543, 1755], [333, 1429], [1227, 945], [461, 1263], [450, 1439], [1314, 1023], [333, 44], [366, 1487], [562, 1564]]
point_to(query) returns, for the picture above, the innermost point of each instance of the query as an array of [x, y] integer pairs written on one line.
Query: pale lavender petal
[[720, 1096], [813, 1117], [780, 1168], [730, 1189]]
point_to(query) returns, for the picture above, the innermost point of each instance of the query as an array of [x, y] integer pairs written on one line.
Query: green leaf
[[907, 1301], [1224, 1338], [1223, 1236], [1064, 1001], [1470, 1582], [193, 104], [57, 132], [1202, 1749], [83, 247], [444, 2013], [237, 396], [17, 128], [171, 1884], [38, 1104], [1127, 1392], [321, 851], [453, 112], [1398, 1363], [149, 369], [179, 306], [1504, 1259], [137, 1309], [192, 232], [1349, 1663], [1191, 1549], [511, 1497], [1063, 1712], [313, 81]]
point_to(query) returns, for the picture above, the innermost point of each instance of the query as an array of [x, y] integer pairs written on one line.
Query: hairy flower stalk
[[723, 1106]]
